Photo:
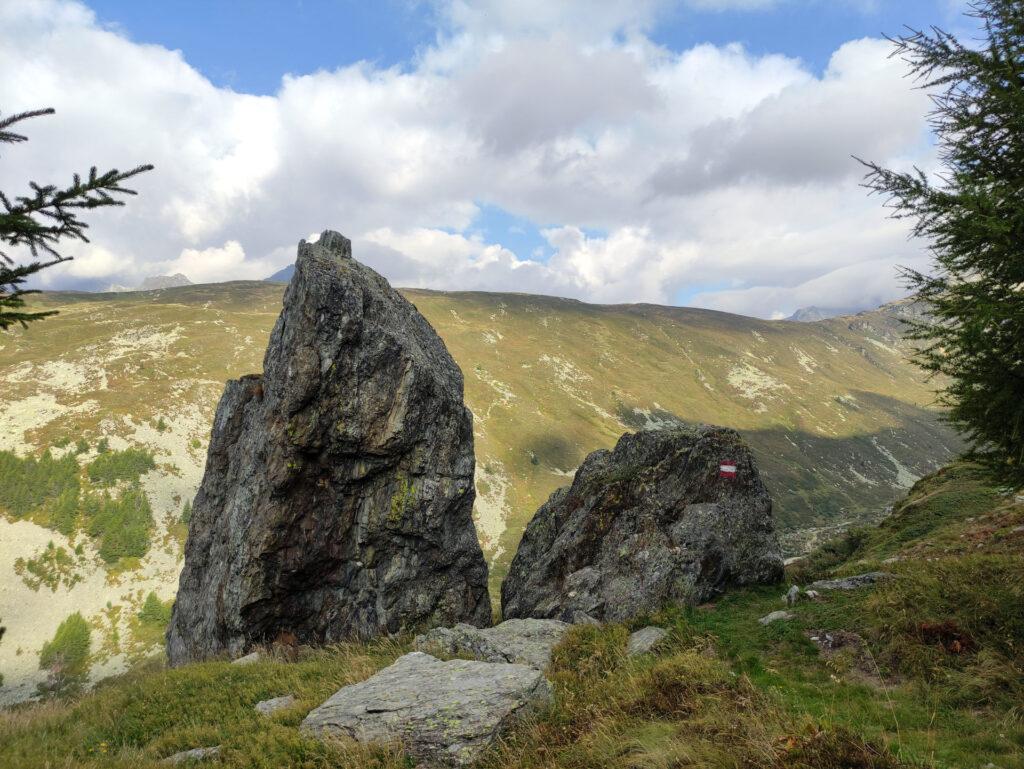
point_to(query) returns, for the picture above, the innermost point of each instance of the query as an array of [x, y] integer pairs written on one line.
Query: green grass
[[723, 691], [134, 720]]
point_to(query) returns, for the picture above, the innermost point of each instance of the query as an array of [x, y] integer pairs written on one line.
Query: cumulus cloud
[[651, 171], [533, 91], [810, 129], [586, 19]]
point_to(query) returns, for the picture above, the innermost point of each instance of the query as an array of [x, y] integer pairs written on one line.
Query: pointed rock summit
[[338, 491], [668, 516]]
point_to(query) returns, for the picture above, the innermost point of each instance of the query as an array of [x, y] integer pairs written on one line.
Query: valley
[[838, 420]]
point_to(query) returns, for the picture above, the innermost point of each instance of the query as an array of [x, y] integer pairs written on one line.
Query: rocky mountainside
[[814, 313], [155, 282], [837, 420], [338, 494]]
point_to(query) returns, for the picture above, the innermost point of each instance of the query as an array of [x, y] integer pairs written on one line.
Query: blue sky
[[610, 150], [249, 46]]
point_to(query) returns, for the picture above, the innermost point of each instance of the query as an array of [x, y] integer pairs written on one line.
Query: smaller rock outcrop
[[850, 583], [520, 641], [191, 756], [271, 706], [443, 713], [645, 640], [668, 516], [776, 616]]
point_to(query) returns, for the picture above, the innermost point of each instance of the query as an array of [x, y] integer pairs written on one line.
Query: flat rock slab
[[850, 583], [196, 754], [271, 706], [443, 713], [776, 616], [520, 641], [645, 640]]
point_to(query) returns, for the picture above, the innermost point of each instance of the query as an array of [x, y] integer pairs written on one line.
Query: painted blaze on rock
[[338, 491], [654, 521]]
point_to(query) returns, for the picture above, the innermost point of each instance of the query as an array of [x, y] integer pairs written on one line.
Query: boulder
[[521, 641], [850, 583], [776, 616], [645, 640], [338, 491], [442, 713], [792, 596], [249, 659], [668, 516], [271, 706], [193, 755]]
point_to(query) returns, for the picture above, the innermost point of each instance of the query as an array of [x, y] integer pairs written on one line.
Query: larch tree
[[972, 216], [36, 223]]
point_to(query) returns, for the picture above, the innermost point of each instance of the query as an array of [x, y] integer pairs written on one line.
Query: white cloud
[[587, 19], [705, 167], [216, 263]]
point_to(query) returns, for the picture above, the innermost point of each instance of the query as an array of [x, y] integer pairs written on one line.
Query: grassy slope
[[836, 416], [724, 692]]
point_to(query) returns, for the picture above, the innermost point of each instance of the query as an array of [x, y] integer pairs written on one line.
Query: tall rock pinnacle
[[338, 491]]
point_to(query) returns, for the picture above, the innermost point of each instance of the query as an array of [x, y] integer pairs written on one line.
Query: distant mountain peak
[[814, 313], [154, 282], [284, 275]]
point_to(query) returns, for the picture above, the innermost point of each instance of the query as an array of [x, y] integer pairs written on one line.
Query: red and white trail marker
[[727, 470]]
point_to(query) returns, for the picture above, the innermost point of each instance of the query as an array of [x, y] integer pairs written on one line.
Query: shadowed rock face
[[648, 523], [338, 490]]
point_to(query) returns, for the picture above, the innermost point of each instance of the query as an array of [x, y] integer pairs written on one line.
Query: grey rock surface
[[443, 713], [271, 706], [521, 641], [248, 659], [645, 640], [776, 616], [338, 491], [792, 596], [196, 754], [650, 523], [850, 583]]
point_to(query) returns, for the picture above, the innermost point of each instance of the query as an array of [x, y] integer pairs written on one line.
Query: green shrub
[[186, 512], [51, 567], [113, 466], [27, 484], [64, 515], [66, 656], [154, 611], [122, 525]]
